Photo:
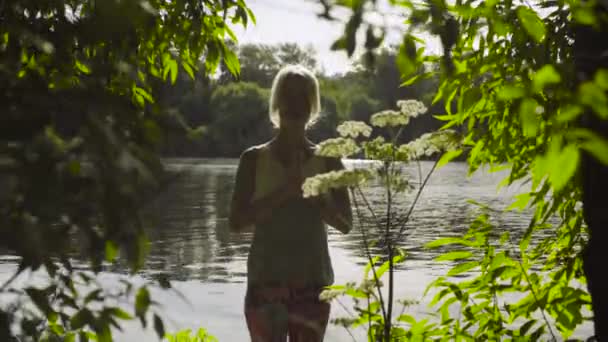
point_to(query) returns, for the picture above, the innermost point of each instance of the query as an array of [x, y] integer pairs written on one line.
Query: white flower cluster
[[322, 183], [369, 285], [338, 148], [389, 118], [354, 129], [431, 143], [328, 295], [411, 108]]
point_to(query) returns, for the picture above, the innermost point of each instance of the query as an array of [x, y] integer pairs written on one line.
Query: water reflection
[[191, 240]]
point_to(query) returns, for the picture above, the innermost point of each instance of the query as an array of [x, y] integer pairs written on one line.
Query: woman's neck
[[291, 139]]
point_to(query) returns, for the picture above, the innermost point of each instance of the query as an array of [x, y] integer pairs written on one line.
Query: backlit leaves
[[533, 25]]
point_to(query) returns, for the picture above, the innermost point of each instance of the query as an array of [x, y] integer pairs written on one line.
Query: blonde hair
[[278, 88]]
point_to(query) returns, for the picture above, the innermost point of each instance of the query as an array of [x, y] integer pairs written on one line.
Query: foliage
[[373, 310], [350, 96], [80, 127], [261, 62], [515, 93], [186, 336], [240, 118]]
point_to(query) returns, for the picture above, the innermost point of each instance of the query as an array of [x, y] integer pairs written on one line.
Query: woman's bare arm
[[335, 206], [244, 211]]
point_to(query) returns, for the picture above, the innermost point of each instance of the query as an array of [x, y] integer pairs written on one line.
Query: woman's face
[[295, 104]]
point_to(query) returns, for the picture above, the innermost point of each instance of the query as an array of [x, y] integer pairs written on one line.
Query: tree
[[240, 118], [261, 62], [589, 59], [508, 77], [79, 132]]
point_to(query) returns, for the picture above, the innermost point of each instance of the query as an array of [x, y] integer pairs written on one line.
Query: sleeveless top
[[290, 247]]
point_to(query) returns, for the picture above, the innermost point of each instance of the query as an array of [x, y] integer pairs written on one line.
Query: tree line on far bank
[[222, 115]]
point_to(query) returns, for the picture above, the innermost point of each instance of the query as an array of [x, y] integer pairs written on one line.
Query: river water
[[192, 245]]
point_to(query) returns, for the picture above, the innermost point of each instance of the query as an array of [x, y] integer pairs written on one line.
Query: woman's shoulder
[[330, 163], [253, 151]]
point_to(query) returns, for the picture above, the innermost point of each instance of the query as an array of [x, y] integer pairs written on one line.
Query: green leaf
[[529, 116], [592, 95], [584, 15], [232, 62], [74, 167], [533, 25], [545, 76], [455, 255], [355, 293], [407, 319], [562, 165], [569, 113], [111, 251], [593, 143], [82, 318], [521, 202], [601, 79], [152, 131], [523, 330], [448, 241], [386, 265], [510, 92], [188, 67], [142, 301], [159, 327], [461, 268], [82, 68], [415, 78], [94, 295], [119, 313], [368, 266], [447, 157], [40, 299], [143, 94]]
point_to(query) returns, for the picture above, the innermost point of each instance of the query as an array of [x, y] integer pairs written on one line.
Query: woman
[[289, 262]]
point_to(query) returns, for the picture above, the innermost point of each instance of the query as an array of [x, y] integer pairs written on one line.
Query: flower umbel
[[338, 148], [411, 108], [354, 129], [431, 143], [322, 183], [389, 118]]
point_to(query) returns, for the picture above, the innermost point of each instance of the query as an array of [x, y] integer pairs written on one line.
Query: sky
[[296, 21]]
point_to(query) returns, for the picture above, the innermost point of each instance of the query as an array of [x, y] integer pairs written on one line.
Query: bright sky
[[297, 21]]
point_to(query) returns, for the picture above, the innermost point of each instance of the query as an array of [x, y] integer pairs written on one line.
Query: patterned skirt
[[275, 312]]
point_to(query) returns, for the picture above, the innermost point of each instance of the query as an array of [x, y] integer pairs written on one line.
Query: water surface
[[192, 245]]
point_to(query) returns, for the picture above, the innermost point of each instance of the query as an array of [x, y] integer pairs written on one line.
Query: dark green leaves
[[82, 318], [40, 298], [533, 25], [142, 303], [407, 60], [159, 327]]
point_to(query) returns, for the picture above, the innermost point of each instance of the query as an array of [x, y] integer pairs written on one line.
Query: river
[[192, 245]]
